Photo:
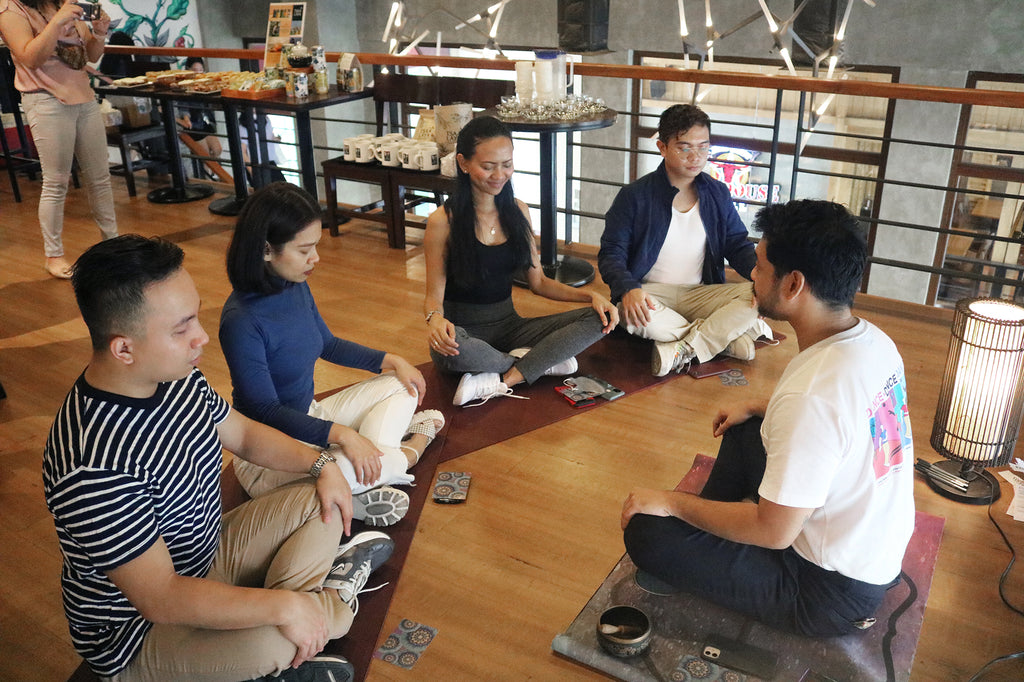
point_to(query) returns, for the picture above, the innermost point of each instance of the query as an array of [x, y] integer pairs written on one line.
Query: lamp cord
[[1002, 583], [890, 633]]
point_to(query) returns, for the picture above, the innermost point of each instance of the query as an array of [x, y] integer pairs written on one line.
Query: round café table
[[567, 269]]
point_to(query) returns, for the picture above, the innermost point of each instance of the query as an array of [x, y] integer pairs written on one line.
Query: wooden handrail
[[903, 91]]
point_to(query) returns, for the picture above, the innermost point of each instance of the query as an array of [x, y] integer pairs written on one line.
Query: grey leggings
[[487, 332]]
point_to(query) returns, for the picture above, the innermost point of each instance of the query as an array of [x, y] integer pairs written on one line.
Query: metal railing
[[905, 245]]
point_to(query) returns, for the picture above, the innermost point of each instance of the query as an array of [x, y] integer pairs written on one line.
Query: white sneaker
[[741, 348], [564, 368], [669, 356], [382, 506], [482, 387]]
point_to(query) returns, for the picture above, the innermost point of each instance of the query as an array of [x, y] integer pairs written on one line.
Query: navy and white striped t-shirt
[[118, 473]]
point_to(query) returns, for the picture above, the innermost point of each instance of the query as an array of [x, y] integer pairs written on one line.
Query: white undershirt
[[681, 259]]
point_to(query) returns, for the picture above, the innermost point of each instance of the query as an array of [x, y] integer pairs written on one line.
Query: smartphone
[[709, 369], [451, 487], [90, 10], [740, 656]]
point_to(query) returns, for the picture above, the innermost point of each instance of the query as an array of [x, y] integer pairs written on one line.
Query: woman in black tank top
[[474, 246]]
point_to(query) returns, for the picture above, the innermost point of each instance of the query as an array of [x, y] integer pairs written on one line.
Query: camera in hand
[[90, 10]]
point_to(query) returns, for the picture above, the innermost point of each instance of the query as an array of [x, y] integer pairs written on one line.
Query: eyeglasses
[[685, 152]]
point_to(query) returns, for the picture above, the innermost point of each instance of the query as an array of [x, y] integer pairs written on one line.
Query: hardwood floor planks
[[501, 575]]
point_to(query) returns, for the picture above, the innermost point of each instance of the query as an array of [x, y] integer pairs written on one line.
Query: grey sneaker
[[669, 356], [383, 506], [741, 348], [320, 668], [356, 560]]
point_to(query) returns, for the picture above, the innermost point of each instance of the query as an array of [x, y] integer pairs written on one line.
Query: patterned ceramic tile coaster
[[693, 669], [733, 377], [405, 645]]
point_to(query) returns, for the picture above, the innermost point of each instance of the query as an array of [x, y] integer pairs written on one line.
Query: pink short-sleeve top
[[70, 86]]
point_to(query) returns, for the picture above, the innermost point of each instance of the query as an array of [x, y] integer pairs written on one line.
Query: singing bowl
[[633, 635]]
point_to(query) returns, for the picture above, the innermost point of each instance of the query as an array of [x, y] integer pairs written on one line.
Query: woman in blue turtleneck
[[272, 334]]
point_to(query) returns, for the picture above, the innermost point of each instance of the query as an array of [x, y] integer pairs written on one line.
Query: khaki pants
[[706, 316], [276, 541]]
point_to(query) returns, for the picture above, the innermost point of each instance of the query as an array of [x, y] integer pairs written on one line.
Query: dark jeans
[[776, 587]]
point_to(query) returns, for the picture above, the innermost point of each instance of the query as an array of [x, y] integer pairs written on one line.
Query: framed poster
[[284, 26]]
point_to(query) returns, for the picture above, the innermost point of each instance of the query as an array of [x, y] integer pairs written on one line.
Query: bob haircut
[[271, 217]]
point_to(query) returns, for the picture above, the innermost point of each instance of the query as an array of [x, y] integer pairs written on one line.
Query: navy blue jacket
[[637, 222]]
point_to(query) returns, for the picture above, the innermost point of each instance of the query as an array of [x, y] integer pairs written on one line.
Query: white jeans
[[62, 132], [380, 409], [706, 316]]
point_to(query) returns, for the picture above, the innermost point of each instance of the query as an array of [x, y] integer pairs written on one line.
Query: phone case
[[451, 487], [575, 398], [610, 392], [740, 656]]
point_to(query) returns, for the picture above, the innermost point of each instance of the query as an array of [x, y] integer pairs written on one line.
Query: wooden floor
[[501, 575]]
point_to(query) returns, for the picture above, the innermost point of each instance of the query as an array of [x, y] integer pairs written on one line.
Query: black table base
[[570, 270], [179, 195], [229, 206]]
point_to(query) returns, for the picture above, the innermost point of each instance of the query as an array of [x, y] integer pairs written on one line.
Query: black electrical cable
[[1013, 558], [890, 633], [1002, 582]]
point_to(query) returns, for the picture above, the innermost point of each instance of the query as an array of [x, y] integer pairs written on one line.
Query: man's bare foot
[[58, 267]]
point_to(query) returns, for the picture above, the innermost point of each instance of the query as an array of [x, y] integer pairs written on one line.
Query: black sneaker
[[320, 668]]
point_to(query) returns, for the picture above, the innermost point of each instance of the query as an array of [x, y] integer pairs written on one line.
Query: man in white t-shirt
[[828, 459], [663, 251]]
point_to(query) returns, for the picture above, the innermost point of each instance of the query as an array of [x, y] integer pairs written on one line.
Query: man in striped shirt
[[157, 585]]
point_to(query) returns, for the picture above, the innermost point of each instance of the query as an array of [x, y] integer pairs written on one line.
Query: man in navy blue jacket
[[666, 239]]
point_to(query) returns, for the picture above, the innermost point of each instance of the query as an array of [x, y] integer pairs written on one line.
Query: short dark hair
[[821, 240], [679, 118], [272, 215], [194, 60], [110, 281]]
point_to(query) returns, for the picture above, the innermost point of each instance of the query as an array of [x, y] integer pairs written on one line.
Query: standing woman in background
[[50, 46]]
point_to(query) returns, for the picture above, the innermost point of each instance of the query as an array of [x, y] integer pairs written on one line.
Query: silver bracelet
[[320, 462], [431, 314]]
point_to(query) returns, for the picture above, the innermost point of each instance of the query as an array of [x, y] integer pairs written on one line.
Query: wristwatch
[[318, 465]]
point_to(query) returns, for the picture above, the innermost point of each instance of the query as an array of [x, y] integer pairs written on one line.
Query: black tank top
[[492, 282]]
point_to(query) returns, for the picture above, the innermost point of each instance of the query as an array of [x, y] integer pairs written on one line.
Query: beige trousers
[[276, 541], [706, 316]]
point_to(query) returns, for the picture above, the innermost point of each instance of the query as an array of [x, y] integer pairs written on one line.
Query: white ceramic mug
[[394, 137], [349, 145], [387, 153], [365, 150], [407, 155], [427, 157]]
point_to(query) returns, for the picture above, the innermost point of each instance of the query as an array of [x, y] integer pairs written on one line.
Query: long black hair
[[462, 265], [272, 216]]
